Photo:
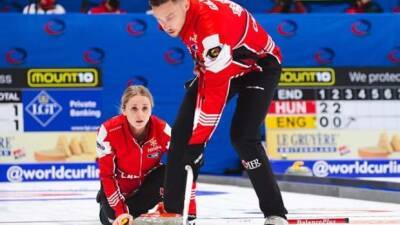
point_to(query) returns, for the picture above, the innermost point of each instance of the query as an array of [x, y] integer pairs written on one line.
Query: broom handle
[[188, 193]]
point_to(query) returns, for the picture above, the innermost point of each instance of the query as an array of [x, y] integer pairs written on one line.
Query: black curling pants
[[147, 196]]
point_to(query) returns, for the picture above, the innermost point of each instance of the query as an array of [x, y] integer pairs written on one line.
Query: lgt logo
[[43, 108]]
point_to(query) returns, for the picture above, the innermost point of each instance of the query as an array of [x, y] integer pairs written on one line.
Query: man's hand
[[193, 156], [123, 219]]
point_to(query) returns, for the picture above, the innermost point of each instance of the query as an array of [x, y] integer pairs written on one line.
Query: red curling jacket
[[123, 163], [225, 42]]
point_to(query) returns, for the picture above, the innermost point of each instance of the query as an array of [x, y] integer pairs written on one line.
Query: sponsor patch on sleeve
[[214, 52]]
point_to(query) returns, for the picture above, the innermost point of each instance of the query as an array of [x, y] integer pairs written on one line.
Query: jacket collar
[[191, 18]]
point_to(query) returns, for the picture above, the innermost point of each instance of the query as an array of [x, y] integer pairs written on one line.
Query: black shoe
[[191, 220]]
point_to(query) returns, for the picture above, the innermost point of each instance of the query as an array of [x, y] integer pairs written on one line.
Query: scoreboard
[[341, 99], [11, 119], [336, 114]]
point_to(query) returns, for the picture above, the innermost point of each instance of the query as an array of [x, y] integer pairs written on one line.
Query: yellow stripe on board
[[291, 122]]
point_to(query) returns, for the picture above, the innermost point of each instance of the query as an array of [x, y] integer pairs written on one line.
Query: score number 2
[[325, 120]]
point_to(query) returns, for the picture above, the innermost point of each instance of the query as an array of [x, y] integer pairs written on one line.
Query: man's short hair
[[155, 3]]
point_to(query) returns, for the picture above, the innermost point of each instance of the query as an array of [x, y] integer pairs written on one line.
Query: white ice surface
[[70, 203]]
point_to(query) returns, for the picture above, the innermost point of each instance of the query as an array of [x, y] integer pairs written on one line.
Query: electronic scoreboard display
[[336, 114], [336, 99]]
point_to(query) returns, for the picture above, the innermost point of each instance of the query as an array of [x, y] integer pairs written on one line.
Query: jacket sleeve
[[211, 99], [106, 161], [166, 137], [214, 80]]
